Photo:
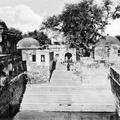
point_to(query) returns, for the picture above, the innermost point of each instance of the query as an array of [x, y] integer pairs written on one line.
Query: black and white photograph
[[59, 59]]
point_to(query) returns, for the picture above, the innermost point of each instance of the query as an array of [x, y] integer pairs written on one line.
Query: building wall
[[107, 53], [25, 55], [70, 50], [58, 50], [114, 54], [101, 53], [40, 69], [61, 50], [39, 54], [39, 74]]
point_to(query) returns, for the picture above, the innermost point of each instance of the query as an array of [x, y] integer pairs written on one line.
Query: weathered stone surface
[[41, 74], [11, 95]]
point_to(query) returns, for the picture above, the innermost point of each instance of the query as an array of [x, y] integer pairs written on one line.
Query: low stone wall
[[40, 76], [115, 87], [11, 95]]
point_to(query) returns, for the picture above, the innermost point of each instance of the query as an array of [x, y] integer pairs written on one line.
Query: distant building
[[62, 53], [108, 49], [38, 61], [57, 49], [68, 55]]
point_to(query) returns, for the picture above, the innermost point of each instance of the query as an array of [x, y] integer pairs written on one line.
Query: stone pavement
[[66, 92]]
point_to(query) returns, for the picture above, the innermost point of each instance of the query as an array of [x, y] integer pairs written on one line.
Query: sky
[[27, 15]]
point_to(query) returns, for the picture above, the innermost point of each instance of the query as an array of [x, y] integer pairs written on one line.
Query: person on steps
[[68, 66]]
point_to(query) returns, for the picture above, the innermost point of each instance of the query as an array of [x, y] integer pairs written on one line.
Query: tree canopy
[[11, 36], [83, 23], [40, 36]]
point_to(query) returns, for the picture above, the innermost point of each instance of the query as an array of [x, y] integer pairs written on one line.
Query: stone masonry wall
[[11, 95], [38, 73], [41, 75], [115, 87]]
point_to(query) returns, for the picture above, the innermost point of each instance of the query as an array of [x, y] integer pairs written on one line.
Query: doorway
[[68, 57]]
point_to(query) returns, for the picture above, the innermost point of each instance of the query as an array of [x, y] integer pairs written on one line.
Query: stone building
[[69, 54], [62, 53], [108, 49], [38, 61], [58, 49]]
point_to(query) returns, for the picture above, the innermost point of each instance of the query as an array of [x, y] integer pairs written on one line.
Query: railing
[[17, 66], [115, 86], [115, 75]]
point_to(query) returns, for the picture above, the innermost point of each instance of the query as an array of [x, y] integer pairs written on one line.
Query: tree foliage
[[14, 35], [40, 36], [11, 36], [82, 23]]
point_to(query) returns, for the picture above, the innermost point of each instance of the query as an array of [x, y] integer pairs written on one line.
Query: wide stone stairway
[[65, 92]]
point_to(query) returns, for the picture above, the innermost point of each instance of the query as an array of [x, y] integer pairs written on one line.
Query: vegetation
[[10, 38], [82, 23], [40, 36]]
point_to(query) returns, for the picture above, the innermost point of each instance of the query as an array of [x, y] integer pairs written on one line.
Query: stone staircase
[[69, 95], [67, 98]]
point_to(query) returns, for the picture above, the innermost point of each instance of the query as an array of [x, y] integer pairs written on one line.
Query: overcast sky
[[27, 15]]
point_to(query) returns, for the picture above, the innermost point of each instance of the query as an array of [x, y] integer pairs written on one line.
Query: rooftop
[[108, 41], [28, 43]]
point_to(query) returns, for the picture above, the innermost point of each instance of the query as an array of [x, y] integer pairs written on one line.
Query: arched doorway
[[68, 57]]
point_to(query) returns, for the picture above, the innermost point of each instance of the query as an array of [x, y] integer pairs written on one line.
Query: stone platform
[[69, 93]]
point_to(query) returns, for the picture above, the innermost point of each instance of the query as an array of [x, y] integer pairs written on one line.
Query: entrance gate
[[68, 57]]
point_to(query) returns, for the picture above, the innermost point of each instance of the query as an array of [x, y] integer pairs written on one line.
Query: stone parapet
[[11, 95], [42, 75]]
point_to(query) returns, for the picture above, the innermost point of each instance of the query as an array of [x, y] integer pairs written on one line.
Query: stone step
[[67, 98], [64, 93], [67, 86], [68, 107], [59, 98], [56, 115], [63, 90]]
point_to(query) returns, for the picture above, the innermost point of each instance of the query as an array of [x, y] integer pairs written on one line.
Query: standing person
[[68, 66]]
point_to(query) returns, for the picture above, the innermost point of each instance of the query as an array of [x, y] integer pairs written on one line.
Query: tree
[[14, 35], [40, 36], [82, 23]]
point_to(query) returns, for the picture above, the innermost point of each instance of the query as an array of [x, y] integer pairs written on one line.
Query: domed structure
[[27, 43], [108, 41]]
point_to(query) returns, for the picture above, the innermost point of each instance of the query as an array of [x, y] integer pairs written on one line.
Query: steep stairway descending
[[61, 98], [60, 66], [64, 93]]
